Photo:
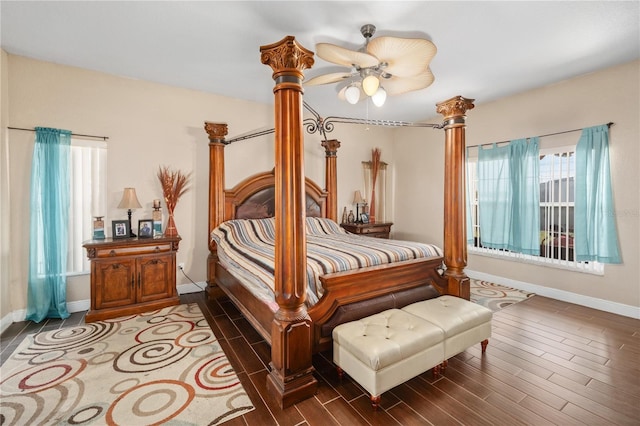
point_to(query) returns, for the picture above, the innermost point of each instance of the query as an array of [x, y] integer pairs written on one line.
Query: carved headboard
[[254, 198]]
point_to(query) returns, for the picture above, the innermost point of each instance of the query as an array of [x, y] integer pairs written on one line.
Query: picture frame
[[120, 229], [364, 218], [145, 228]]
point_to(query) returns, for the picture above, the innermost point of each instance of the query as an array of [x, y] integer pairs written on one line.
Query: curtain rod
[[72, 134], [540, 136]]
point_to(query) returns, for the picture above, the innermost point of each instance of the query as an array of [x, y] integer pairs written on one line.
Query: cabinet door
[[114, 283], [156, 277]]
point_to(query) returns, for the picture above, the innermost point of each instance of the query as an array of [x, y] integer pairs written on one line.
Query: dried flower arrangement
[[174, 185], [375, 167]]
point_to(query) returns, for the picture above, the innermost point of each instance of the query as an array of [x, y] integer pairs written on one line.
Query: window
[[557, 192], [88, 198]]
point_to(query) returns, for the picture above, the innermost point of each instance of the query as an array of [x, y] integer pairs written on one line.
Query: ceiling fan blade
[[327, 78], [400, 85], [341, 56], [405, 56]]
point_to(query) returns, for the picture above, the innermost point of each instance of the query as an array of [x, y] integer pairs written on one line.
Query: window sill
[[593, 268]]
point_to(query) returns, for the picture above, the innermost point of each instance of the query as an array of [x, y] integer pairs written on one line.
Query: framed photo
[[120, 229], [145, 228], [364, 218]]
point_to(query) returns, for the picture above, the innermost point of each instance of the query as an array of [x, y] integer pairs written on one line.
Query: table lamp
[[129, 201], [357, 200]]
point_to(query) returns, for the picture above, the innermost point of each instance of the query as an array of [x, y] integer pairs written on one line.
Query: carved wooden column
[[455, 241], [291, 377], [331, 176], [216, 132]]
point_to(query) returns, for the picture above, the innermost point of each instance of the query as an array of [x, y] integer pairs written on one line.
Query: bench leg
[[375, 402], [340, 373], [484, 344], [436, 371]]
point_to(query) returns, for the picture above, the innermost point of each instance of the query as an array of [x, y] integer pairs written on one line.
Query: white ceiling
[[486, 49]]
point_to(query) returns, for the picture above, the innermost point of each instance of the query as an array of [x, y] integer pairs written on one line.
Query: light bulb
[[352, 94], [370, 84], [379, 97]]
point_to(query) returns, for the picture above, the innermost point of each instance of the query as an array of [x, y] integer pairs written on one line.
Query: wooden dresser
[[377, 229], [131, 276]]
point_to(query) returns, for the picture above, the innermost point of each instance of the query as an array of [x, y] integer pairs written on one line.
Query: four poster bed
[[277, 252]]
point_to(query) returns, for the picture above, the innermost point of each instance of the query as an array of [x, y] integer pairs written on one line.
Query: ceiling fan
[[383, 66]]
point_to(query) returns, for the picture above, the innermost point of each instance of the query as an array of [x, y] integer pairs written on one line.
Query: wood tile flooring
[[548, 362]]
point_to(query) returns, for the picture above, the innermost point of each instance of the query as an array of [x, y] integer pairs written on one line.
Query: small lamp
[[357, 200], [129, 201], [370, 84], [352, 94], [379, 97]]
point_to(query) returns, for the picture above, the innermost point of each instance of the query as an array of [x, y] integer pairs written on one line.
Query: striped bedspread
[[246, 250]]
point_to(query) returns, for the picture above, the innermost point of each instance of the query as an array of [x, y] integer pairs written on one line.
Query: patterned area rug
[[494, 296], [161, 367]]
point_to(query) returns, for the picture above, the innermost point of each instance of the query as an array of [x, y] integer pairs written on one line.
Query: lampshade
[[357, 198], [379, 97], [129, 200], [352, 94], [370, 84]]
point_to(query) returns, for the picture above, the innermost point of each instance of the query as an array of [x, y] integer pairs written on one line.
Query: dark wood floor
[[548, 362]]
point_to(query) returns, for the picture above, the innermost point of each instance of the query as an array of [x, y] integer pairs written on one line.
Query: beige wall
[[612, 95], [148, 125], [5, 303]]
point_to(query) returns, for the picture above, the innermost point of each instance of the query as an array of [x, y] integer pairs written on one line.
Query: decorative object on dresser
[[98, 228], [145, 228], [129, 201], [357, 200], [157, 219], [131, 276], [174, 185], [371, 229], [120, 229]]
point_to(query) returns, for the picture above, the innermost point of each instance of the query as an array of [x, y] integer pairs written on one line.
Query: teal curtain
[[470, 239], [50, 185], [595, 237], [509, 196]]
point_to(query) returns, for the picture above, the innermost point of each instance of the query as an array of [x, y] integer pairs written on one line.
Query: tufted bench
[[464, 323], [384, 350]]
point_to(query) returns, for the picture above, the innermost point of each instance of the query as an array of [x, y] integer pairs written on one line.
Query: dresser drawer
[[133, 250], [376, 229]]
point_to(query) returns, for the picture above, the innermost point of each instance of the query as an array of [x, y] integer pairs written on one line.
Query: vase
[[171, 230], [372, 209]]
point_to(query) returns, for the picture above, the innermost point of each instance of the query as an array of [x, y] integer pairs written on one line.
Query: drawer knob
[[112, 253]]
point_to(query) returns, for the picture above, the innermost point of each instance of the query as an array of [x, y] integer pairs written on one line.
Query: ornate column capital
[[331, 147], [455, 107], [286, 56], [216, 131]]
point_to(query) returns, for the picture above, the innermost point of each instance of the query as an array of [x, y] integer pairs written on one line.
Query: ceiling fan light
[[352, 94], [379, 97], [370, 84]]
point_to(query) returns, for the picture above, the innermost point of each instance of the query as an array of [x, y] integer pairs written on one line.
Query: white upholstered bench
[[384, 350]]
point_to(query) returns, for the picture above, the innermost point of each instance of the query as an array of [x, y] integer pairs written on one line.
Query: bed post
[[291, 377], [216, 132], [455, 240], [331, 176]]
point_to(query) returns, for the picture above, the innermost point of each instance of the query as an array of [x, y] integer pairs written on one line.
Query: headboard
[[254, 198]]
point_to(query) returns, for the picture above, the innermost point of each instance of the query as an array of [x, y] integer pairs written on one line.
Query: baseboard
[[84, 305], [565, 296], [191, 287]]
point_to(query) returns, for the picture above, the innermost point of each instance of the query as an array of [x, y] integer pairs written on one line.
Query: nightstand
[[131, 276], [377, 229]]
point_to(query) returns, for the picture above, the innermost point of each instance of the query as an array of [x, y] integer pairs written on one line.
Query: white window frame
[[595, 268], [88, 194]]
